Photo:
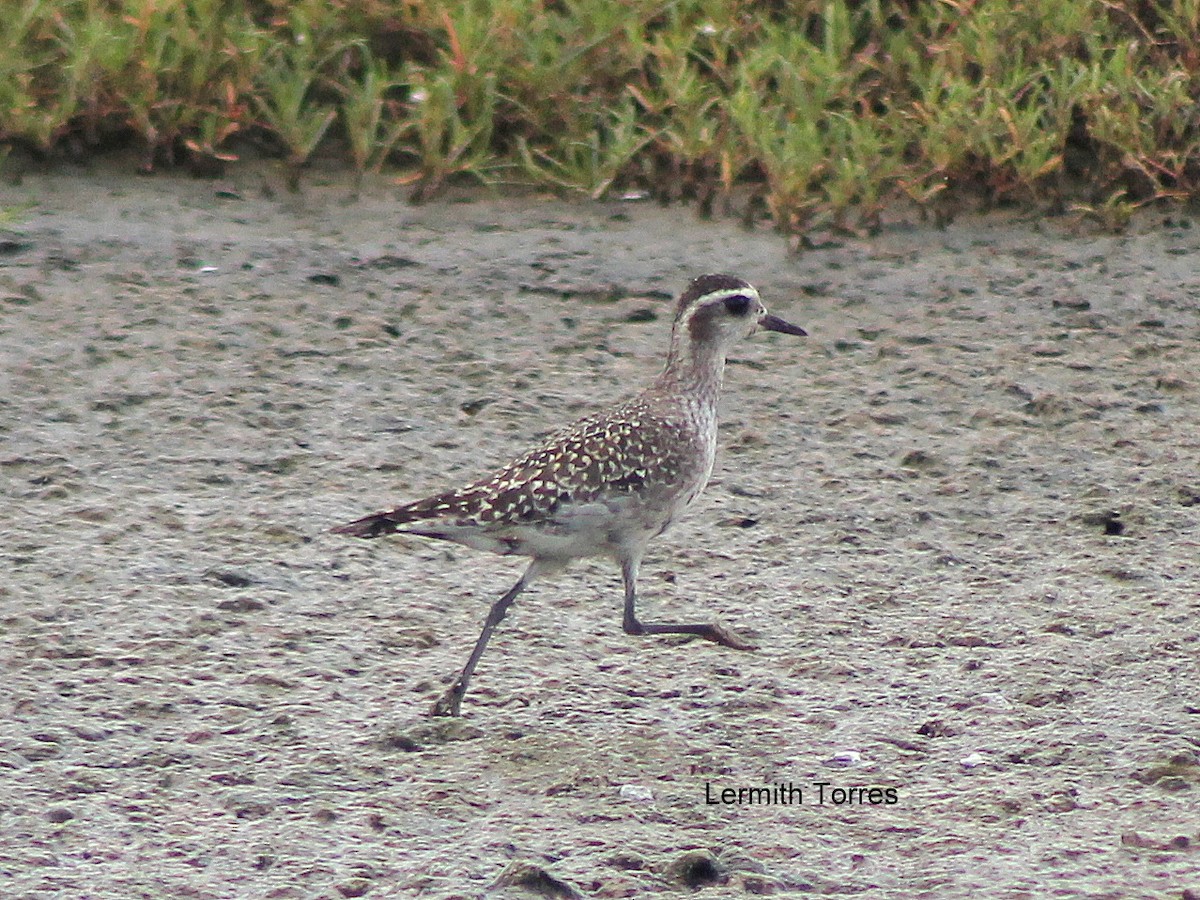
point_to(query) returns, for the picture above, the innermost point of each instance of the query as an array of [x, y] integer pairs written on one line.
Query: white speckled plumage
[[611, 482]]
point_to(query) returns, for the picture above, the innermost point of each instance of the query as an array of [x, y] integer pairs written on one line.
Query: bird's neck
[[694, 368]]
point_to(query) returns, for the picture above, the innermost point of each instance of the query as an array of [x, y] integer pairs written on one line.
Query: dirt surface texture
[[960, 519]]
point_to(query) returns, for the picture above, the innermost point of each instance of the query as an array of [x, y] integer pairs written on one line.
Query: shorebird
[[608, 484]]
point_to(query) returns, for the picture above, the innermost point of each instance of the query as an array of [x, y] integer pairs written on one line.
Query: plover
[[608, 484]]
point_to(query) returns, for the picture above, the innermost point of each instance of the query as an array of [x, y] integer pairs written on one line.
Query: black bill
[[774, 323]]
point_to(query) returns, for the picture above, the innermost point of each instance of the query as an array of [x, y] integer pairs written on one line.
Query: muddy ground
[[915, 514]]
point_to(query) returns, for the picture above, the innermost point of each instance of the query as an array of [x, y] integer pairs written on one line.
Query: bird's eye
[[738, 304]]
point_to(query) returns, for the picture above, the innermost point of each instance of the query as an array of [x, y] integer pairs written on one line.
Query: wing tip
[[366, 527]]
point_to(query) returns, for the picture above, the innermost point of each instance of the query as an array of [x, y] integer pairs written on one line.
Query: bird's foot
[[449, 703], [718, 634], [726, 638]]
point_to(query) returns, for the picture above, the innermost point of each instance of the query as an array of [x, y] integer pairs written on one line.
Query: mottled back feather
[[628, 449]]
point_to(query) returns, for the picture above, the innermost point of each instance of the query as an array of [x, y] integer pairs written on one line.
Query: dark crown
[[706, 284]]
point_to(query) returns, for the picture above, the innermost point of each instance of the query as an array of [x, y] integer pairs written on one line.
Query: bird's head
[[717, 311]]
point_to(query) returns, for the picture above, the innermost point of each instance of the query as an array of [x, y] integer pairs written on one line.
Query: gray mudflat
[[206, 695]]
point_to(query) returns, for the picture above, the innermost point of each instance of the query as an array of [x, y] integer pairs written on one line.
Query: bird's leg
[[712, 632], [448, 704]]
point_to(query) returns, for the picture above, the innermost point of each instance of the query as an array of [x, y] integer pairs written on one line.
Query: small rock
[[638, 792], [936, 728], [389, 261], [356, 887], [699, 868], [844, 759], [972, 760], [397, 741], [1072, 303], [738, 522], [533, 878], [231, 577], [241, 605], [88, 732], [918, 459], [626, 860]]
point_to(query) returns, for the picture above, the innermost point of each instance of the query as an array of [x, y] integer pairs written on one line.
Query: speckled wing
[[623, 454]]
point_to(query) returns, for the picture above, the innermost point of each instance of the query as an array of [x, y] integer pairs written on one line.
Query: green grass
[[825, 112]]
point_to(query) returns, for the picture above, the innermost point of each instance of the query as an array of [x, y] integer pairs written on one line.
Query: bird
[[606, 485]]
